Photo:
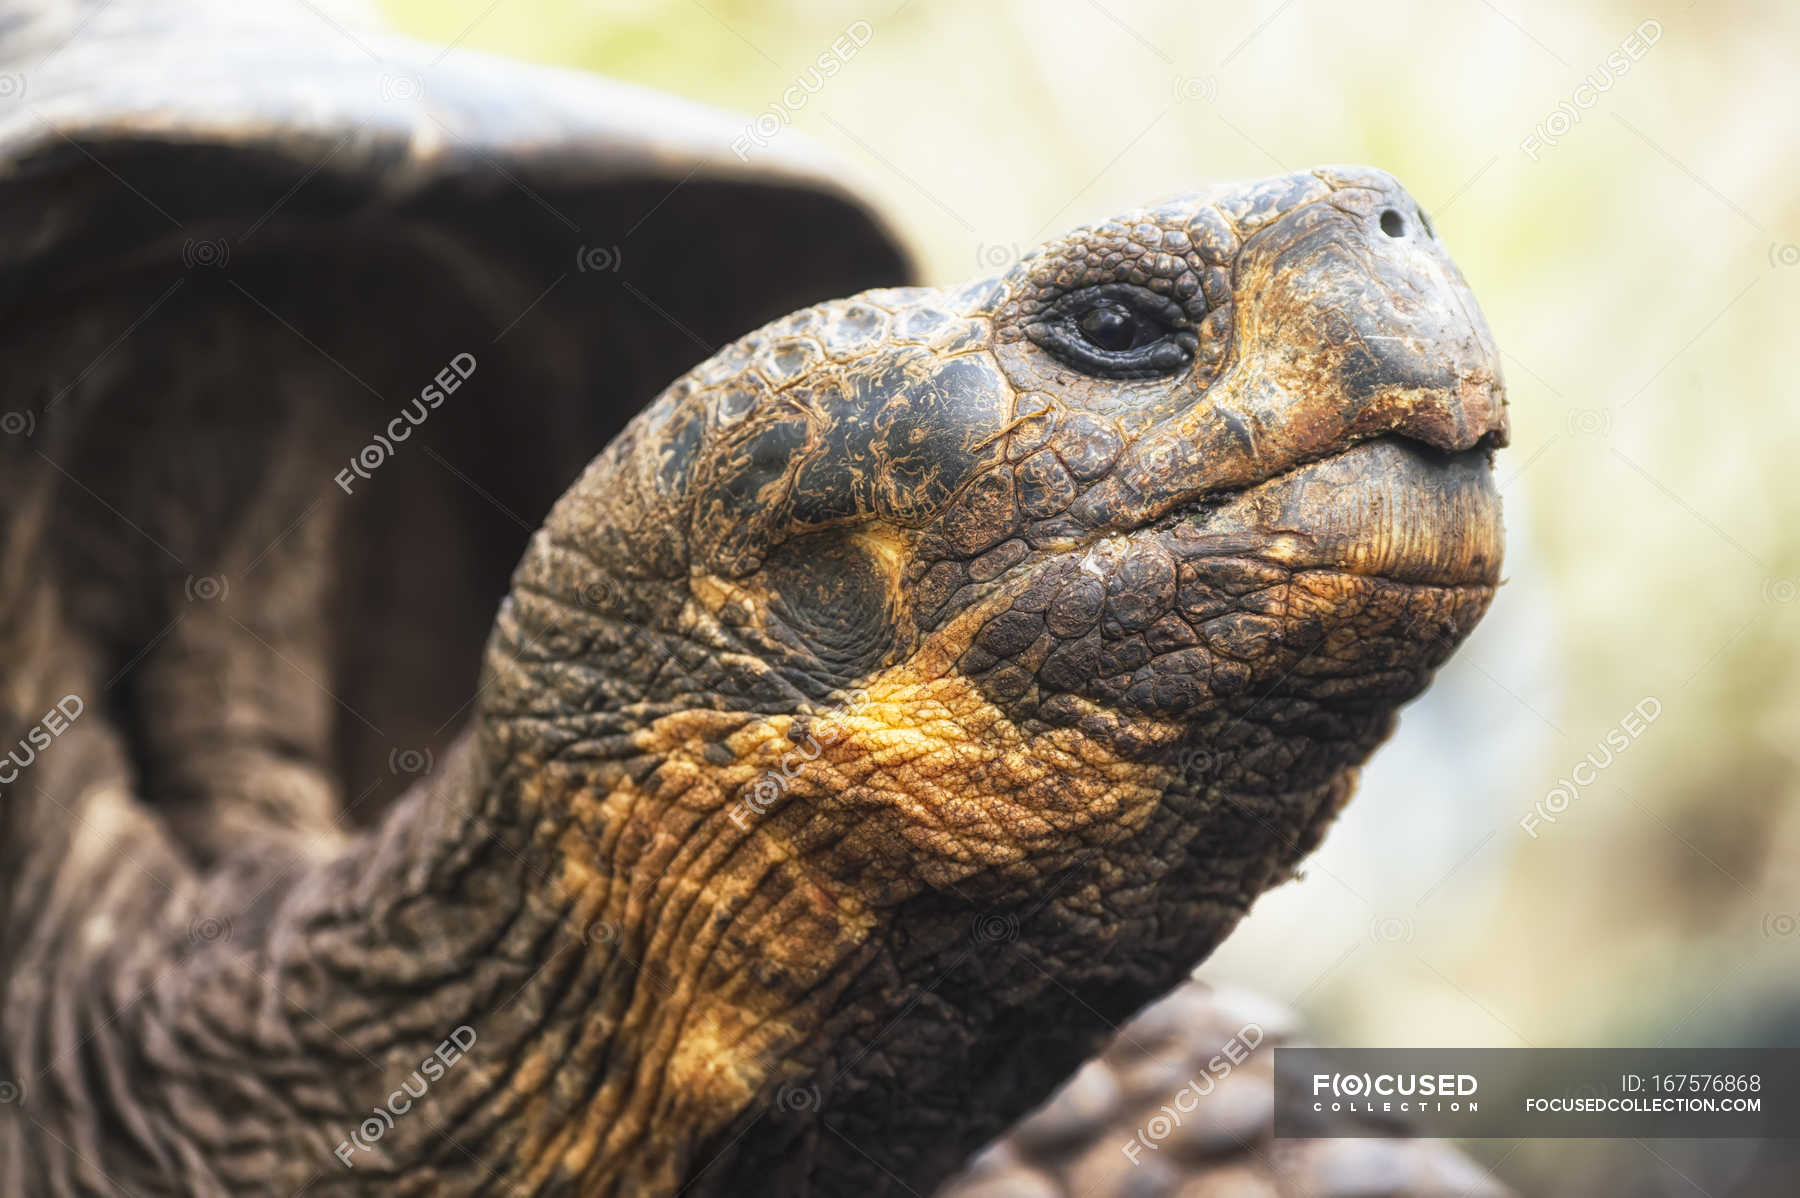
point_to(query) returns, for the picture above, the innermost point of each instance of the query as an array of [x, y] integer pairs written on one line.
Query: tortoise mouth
[[1388, 508]]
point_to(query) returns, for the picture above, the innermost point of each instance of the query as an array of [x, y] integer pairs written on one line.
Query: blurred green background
[[1640, 269]]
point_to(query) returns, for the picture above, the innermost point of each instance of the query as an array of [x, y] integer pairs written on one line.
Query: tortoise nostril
[[1393, 224]]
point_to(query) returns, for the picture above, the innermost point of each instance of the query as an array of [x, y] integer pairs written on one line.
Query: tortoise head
[[1057, 607], [1217, 468]]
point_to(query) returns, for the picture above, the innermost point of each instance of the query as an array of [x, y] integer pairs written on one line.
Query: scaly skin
[[913, 691]]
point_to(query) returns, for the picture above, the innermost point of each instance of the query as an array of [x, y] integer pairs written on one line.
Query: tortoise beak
[[1352, 324], [1388, 508], [1395, 335]]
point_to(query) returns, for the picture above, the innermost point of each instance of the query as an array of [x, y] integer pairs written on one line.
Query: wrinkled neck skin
[[669, 974], [596, 968]]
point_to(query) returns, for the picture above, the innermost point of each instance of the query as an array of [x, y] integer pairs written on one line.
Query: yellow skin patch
[[753, 885]]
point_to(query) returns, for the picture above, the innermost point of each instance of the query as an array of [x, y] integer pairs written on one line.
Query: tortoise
[[907, 693]]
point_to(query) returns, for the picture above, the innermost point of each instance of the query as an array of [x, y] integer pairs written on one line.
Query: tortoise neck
[[579, 973]]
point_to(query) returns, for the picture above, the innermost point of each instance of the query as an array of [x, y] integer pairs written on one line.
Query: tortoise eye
[[1109, 326], [1117, 331]]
